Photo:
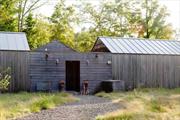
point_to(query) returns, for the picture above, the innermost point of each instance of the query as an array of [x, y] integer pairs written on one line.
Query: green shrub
[[155, 106], [42, 104], [4, 79]]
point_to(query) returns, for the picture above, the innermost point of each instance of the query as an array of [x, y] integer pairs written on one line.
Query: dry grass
[[19, 104], [145, 104]]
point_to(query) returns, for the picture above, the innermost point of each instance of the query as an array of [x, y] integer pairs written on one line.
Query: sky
[[173, 7]]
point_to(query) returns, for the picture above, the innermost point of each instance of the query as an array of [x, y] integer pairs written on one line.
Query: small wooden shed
[[55, 62], [143, 62], [14, 53]]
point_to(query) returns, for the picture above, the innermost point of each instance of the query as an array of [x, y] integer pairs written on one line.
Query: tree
[[62, 19], [29, 29], [129, 17], [37, 30], [110, 18], [24, 8], [84, 41], [7, 15], [154, 22]]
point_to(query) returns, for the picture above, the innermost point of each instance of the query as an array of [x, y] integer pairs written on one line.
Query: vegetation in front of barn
[[19, 104], [144, 104], [4, 79]]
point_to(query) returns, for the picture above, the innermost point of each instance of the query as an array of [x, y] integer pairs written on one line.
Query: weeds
[[144, 104]]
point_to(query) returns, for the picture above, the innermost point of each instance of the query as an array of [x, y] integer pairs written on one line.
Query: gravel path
[[86, 109]]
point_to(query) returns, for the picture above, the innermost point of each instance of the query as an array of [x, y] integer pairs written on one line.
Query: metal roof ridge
[[165, 40]]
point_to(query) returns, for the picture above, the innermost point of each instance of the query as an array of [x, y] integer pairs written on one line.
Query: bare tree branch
[[24, 9]]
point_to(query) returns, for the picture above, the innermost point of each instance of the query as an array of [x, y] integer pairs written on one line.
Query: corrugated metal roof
[[140, 46], [13, 41]]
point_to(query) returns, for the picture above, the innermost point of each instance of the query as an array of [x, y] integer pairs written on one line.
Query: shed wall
[[19, 64], [147, 70], [94, 69]]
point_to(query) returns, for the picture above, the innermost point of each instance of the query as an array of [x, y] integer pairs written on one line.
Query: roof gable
[[13, 41], [139, 46], [55, 46]]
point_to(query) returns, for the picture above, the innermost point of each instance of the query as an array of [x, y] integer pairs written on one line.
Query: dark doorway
[[73, 75]]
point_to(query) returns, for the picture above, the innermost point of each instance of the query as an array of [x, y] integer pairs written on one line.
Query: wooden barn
[[55, 62], [14, 53], [139, 63]]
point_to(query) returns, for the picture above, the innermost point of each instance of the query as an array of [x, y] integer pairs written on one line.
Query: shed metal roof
[[140, 46], [13, 41]]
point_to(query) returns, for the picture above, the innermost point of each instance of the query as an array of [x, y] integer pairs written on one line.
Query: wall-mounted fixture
[[96, 56], [46, 54], [109, 62], [87, 62], [57, 61], [45, 49]]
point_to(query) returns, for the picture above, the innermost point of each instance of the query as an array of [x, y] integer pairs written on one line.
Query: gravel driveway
[[86, 109]]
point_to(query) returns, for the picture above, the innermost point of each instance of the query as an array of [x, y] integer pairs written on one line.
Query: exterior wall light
[[45, 49], [46, 54], [57, 61], [87, 62], [109, 62]]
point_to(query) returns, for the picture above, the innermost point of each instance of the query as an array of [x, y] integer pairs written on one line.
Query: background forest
[[123, 18]]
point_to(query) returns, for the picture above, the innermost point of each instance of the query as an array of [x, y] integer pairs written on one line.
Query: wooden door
[[73, 76]]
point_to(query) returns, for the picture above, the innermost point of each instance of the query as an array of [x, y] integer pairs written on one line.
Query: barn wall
[[147, 70], [19, 63], [91, 68]]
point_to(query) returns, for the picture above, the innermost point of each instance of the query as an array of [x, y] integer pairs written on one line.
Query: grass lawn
[[19, 104], [144, 104]]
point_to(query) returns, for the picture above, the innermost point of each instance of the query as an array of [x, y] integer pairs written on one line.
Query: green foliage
[[30, 23], [154, 23], [37, 30], [155, 106], [4, 79], [44, 103], [84, 41], [119, 117], [62, 20], [7, 15], [145, 19]]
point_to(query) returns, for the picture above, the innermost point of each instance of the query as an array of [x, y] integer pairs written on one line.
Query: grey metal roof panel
[[13, 41], [141, 46], [176, 45], [119, 47], [110, 47], [125, 46]]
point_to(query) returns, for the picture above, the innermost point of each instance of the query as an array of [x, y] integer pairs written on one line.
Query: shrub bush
[[4, 79], [42, 104]]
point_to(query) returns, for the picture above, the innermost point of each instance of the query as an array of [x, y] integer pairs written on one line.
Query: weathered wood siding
[[91, 68], [18, 61], [147, 70]]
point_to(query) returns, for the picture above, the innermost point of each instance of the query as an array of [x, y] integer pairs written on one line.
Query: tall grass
[[19, 104], [144, 104]]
